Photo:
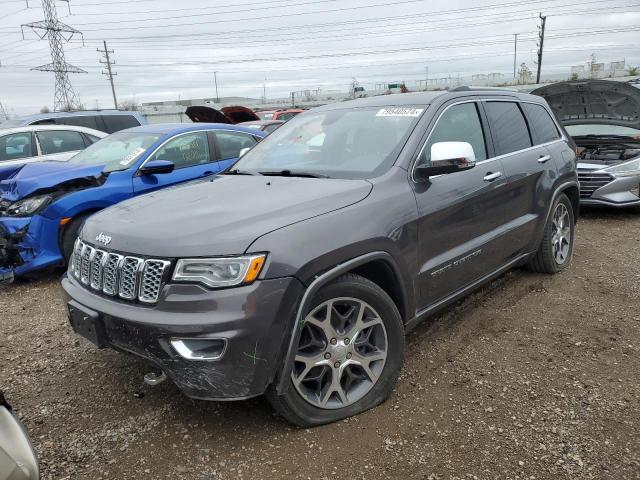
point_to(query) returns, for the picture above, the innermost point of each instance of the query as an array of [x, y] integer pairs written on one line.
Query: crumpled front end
[[11, 236], [27, 244]]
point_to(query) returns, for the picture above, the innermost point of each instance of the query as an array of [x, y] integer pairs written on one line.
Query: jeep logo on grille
[[102, 238]]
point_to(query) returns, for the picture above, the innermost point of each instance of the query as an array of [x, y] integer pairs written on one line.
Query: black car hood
[[222, 216], [581, 102]]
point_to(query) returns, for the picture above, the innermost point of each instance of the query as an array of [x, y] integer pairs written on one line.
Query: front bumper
[[30, 244], [616, 192], [255, 321]]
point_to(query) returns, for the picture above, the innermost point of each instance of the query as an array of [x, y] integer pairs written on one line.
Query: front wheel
[[70, 234], [556, 249], [349, 354]]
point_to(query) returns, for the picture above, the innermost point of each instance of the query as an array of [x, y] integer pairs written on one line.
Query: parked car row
[[293, 264]]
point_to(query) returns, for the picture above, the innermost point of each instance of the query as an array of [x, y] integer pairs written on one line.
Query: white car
[[44, 142]]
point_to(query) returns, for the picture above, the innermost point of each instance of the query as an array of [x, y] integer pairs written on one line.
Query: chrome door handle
[[490, 177], [544, 159]]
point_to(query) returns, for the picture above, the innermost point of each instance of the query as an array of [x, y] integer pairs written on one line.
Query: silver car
[[602, 118], [44, 142]]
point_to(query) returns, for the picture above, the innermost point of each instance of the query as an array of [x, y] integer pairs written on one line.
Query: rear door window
[[459, 123], [230, 143], [16, 146], [59, 141], [543, 128], [115, 123], [508, 127]]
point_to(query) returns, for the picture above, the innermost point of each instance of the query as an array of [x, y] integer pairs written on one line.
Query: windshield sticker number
[[127, 159], [399, 112]]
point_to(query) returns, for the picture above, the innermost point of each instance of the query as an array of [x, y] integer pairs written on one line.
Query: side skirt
[[421, 315]]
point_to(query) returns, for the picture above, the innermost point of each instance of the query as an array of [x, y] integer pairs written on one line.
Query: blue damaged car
[[43, 205]]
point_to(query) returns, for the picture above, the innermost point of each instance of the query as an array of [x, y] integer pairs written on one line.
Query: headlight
[[627, 169], [219, 272], [28, 206]]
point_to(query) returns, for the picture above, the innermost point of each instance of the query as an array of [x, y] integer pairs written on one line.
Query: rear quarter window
[[543, 128], [508, 127], [87, 121], [115, 123]]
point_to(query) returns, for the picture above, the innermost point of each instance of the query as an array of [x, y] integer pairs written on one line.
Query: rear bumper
[[253, 320], [28, 244]]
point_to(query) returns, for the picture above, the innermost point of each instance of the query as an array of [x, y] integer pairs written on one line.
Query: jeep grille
[[113, 274]]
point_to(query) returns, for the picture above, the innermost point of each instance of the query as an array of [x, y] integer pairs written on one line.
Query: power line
[[347, 22]]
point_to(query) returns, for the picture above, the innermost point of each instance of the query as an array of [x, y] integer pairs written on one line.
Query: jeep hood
[[582, 102], [222, 216], [46, 177]]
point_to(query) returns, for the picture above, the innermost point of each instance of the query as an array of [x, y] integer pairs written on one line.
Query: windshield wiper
[[235, 171], [294, 173]]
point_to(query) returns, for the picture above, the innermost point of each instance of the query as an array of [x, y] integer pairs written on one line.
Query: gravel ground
[[533, 377]]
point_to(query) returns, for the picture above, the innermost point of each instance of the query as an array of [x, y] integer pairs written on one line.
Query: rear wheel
[[348, 357], [556, 249]]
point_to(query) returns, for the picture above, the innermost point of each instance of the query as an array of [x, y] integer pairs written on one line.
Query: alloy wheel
[[341, 354], [561, 234]]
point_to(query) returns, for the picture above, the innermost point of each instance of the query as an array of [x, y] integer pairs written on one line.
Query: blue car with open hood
[[43, 205]]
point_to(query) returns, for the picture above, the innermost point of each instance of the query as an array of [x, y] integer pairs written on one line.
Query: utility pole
[[3, 112], [293, 103], [108, 62], [215, 79], [541, 45], [515, 53], [426, 77], [264, 92], [65, 97]]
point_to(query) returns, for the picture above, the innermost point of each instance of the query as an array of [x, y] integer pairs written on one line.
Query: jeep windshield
[[343, 143], [117, 151]]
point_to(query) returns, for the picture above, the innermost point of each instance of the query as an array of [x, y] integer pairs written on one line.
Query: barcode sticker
[[399, 112]]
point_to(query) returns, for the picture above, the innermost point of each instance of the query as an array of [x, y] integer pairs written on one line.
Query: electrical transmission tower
[[56, 32], [110, 74]]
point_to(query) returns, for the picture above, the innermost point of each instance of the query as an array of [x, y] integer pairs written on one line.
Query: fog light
[[199, 348], [636, 190]]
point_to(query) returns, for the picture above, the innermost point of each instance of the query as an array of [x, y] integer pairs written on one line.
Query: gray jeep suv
[[298, 272]]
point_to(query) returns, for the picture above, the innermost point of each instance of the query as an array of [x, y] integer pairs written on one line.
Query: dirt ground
[[533, 377]]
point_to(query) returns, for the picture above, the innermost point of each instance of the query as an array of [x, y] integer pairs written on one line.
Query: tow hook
[[154, 378]]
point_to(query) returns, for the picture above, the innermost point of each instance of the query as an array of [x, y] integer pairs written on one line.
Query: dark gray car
[[298, 272]]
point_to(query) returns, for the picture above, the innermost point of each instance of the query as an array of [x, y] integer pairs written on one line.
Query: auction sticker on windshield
[[127, 159], [399, 112]]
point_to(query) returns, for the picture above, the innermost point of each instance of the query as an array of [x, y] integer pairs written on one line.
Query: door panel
[[192, 158], [460, 229], [461, 214], [530, 171]]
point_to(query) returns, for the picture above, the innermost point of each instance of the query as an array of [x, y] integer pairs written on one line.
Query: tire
[[360, 340], [548, 258], [69, 235]]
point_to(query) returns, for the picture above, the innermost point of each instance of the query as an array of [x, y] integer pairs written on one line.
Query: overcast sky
[[165, 49]]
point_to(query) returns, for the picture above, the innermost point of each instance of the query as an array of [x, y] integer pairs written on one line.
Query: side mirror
[[243, 151], [447, 157], [17, 457], [156, 167]]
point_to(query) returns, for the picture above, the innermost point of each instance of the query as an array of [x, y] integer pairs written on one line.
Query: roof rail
[[470, 88]]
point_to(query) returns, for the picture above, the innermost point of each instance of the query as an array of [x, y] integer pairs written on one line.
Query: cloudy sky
[[166, 49]]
